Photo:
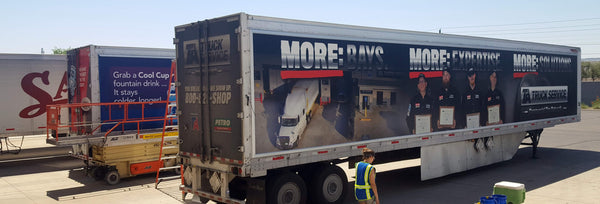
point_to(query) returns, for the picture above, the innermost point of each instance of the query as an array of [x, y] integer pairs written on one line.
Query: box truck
[[116, 109], [456, 102], [297, 110]]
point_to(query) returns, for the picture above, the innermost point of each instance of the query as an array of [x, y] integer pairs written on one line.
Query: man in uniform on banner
[[420, 109], [448, 100], [472, 101], [493, 103]]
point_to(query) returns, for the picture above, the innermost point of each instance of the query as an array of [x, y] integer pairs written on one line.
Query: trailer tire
[[329, 185], [112, 177], [286, 188]]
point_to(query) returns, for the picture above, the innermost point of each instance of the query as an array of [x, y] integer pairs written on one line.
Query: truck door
[[208, 70]]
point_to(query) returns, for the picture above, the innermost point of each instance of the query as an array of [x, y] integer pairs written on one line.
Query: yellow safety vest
[[362, 184]]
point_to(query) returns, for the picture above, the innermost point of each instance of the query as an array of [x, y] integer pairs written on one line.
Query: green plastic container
[[514, 192]]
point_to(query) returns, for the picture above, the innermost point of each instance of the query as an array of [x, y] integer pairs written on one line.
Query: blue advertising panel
[[124, 79]]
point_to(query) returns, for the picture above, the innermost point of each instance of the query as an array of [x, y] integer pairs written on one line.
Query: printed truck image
[[299, 106], [249, 85]]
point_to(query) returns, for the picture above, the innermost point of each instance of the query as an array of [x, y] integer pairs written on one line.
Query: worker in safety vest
[[365, 190]]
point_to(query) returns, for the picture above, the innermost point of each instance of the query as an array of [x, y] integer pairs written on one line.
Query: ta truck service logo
[[215, 51], [538, 95]]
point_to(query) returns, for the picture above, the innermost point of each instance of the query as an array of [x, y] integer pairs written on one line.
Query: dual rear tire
[[327, 184]]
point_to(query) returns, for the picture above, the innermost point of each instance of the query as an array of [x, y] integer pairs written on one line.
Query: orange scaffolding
[[57, 129]]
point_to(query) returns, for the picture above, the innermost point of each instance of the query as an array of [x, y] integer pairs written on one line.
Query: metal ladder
[[170, 116]]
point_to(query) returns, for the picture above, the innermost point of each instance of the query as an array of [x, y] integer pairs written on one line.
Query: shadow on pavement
[[551, 166], [33, 166], [92, 187]]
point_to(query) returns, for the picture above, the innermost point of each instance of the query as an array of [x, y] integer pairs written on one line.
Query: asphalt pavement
[[566, 170]]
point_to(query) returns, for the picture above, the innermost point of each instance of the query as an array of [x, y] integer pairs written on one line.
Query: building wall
[[589, 92]]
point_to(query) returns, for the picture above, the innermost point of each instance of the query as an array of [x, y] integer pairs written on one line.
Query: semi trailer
[[118, 101], [29, 83], [475, 101]]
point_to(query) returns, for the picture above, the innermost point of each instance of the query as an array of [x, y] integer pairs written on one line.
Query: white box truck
[[472, 101], [298, 108]]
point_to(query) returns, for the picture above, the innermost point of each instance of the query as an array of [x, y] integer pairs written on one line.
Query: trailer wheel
[[329, 185], [112, 177], [287, 188]]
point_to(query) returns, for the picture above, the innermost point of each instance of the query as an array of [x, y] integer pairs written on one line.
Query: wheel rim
[[289, 193], [332, 188], [112, 178]]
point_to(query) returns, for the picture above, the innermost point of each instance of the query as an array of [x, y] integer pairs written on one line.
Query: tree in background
[[590, 70], [586, 70], [595, 72], [60, 51]]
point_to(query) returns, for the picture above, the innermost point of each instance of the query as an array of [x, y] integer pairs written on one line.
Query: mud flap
[[256, 191]]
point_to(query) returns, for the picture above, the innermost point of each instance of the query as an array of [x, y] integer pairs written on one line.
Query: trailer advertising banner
[[312, 92], [79, 77], [126, 79]]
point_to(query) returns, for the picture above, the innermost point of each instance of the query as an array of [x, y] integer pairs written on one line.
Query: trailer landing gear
[[534, 135]]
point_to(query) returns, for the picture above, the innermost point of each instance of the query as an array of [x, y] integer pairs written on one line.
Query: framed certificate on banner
[[473, 120], [493, 114], [446, 115], [422, 123]]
